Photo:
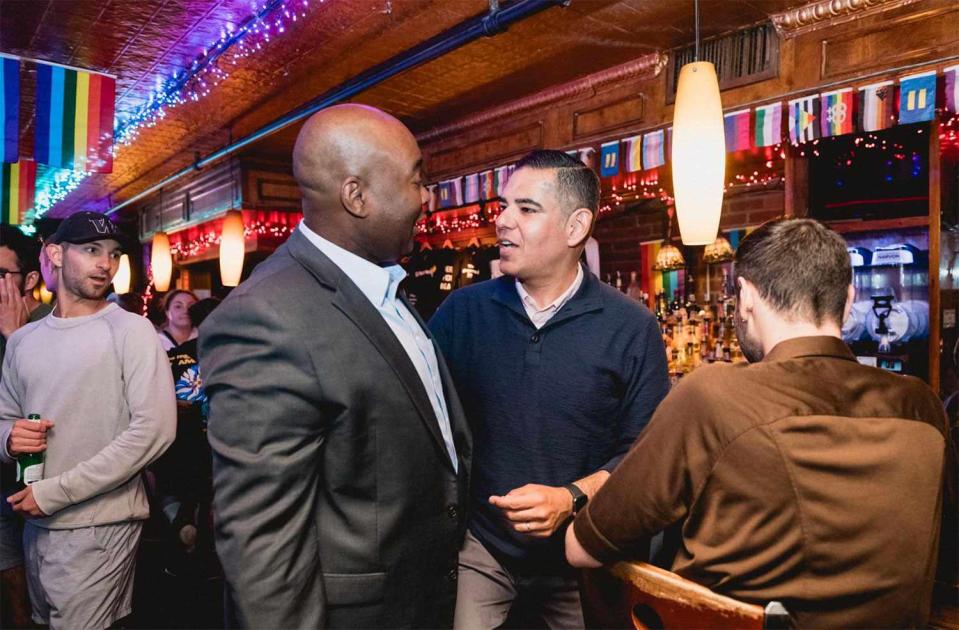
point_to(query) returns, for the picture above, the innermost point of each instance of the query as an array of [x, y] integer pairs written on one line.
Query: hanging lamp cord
[[696, 13]]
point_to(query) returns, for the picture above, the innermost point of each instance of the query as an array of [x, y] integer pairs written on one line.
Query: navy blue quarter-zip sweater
[[547, 406]]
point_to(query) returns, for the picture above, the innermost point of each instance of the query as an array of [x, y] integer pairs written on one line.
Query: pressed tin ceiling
[[143, 42]]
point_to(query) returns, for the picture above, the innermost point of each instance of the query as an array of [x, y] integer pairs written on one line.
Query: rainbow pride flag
[[9, 109], [837, 113], [74, 119], [17, 187], [803, 119]]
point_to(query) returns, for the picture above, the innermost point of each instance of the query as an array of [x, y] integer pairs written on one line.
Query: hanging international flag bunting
[[736, 126], [609, 159], [17, 187], [917, 98], [585, 155], [804, 119], [74, 119], [500, 175], [451, 192], [471, 191], [951, 83], [487, 185], [769, 124], [10, 109], [431, 204], [653, 150], [633, 153], [876, 103], [837, 113]]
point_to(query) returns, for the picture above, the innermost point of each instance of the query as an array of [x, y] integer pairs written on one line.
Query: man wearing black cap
[[111, 412]]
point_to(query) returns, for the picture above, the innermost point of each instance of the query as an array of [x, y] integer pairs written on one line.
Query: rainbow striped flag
[[74, 119], [633, 150], [951, 84], [17, 186], [654, 153], [736, 126], [837, 113], [769, 125], [803, 113], [876, 105], [10, 109]]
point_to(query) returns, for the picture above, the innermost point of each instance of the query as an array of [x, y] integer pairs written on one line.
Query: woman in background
[[179, 328]]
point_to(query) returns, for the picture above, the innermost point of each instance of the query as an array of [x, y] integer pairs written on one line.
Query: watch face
[[579, 502]]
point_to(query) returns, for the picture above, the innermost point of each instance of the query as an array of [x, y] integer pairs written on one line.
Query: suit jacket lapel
[[354, 305]]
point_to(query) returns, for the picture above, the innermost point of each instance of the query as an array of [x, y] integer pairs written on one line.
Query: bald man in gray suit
[[341, 452]]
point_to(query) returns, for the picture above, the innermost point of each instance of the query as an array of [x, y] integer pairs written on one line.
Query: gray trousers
[[486, 592]]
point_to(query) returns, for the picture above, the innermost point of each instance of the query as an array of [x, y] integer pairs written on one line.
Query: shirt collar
[[378, 284], [818, 346], [558, 303]]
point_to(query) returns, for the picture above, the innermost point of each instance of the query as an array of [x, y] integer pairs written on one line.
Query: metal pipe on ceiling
[[486, 25]]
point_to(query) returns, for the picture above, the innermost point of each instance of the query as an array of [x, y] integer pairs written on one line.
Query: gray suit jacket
[[336, 504]]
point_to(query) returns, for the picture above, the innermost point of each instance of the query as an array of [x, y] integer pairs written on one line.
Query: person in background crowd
[[558, 374], [340, 451], [183, 473], [178, 328], [19, 276], [99, 379], [801, 477]]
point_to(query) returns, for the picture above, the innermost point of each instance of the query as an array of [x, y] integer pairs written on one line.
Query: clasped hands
[[535, 510]]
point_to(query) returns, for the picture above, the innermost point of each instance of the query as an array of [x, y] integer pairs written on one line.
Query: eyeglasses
[[4, 272]]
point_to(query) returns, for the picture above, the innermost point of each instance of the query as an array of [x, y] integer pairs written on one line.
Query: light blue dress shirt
[[379, 285]]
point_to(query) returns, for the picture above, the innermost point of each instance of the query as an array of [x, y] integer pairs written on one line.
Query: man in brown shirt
[[803, 477]]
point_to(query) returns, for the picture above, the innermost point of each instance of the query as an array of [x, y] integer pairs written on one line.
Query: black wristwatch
[[579, 497]]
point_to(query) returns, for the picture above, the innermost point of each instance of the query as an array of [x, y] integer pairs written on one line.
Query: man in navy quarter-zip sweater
[[558, 373]]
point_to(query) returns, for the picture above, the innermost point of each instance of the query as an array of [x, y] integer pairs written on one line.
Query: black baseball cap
[[87, 226]]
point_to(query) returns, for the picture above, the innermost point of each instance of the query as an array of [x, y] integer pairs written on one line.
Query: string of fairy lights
[[189, 84]]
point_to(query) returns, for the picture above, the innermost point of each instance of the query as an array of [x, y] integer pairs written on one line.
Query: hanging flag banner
[[17, 187], [768, 126], [10, 109], [876, 103], [500, 175], [803, 119], [951, 84], [609, 159], [585, 155], [736, 125], [487, 185], [471, 191], [653, 150], [451, 192], [837, 113], [633, 153], [74, 119], [431, 204], [917, 98]]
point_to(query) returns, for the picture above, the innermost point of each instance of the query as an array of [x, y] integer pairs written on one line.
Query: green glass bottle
[[30, 465]]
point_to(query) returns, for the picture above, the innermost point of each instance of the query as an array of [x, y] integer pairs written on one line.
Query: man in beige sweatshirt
[[101, 383]]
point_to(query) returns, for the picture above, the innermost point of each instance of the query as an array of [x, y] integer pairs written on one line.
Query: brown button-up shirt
[[805, 478]]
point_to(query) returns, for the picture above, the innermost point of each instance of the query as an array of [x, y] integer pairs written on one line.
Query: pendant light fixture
[[669, 258], [161, 261], [121, 281], [699, 150], [232, 248], [719, 251]]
